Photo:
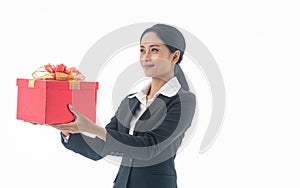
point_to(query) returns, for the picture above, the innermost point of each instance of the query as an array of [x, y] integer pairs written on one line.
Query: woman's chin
[[148, 74]]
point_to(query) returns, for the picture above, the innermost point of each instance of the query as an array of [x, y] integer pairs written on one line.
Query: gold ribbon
[[31, 83], [74, 77], [74, 84], [41, 74]]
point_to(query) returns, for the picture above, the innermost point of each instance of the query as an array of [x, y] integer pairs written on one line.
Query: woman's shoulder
[[184, 93], [181, 96]]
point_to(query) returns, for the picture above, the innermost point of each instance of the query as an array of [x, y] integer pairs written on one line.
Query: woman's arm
[[177, 120], [80, 143], [84, 145], [110, 141]]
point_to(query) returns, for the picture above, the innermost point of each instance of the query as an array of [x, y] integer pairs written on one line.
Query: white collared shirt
[[169, 89]]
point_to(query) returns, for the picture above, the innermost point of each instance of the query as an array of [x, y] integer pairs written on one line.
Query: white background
[[256, 46]]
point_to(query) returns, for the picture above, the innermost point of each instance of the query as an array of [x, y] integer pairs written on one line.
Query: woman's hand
[[64, 132], [80, 124]]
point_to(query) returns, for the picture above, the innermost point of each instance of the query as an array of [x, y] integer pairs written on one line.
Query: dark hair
[[174, 40]]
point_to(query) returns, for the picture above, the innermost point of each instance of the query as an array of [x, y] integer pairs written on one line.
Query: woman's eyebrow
[[156, 45]]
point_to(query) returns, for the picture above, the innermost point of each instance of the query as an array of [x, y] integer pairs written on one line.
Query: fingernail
[[70, 106]]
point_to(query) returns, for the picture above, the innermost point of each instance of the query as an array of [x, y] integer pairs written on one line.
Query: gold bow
[[58, 72]]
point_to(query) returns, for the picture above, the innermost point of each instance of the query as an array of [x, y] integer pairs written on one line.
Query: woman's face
[[155, 57]]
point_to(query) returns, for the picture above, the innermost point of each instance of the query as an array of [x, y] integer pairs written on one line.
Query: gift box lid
[[45, 84]]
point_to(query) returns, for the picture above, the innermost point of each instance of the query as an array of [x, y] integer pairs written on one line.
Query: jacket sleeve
[[87, 146], [84, 145], [177, 120]]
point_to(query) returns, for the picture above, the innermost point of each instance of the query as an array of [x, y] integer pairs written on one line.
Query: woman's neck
[[156, 84]]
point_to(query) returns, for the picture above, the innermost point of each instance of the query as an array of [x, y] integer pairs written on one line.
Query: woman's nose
[[146, 56], [147, 59]]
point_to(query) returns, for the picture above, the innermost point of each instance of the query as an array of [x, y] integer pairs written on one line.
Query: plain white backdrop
[[256, 46]]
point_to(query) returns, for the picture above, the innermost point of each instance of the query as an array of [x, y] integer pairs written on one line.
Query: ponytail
[[181, 77]]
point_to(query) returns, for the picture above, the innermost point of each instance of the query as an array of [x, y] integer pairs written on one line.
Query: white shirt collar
[[169, 89]]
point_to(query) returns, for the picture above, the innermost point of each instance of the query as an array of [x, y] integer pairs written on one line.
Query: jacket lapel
[[125, 113], [150, 114], [133, 105]]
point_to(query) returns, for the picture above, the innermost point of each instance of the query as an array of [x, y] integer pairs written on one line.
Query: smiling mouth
[[147, 66]]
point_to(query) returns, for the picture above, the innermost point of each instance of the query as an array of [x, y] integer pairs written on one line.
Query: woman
[[149, 125]]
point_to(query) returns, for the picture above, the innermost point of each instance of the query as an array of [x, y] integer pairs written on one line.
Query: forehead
[[151, 38]]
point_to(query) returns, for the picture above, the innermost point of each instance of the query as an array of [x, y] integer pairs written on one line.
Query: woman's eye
[[142, 50], [154, 50]]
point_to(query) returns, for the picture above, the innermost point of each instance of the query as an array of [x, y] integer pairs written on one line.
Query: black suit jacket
[[147, 155]]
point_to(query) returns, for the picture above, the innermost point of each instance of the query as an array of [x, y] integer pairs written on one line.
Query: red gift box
[[45, 101]]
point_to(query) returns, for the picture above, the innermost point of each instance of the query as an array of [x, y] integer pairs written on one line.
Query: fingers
[[33, 123], [64, 126], [69, 127], [74, 111]]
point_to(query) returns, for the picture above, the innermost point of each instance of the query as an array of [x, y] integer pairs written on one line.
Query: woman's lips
[[147, 66]]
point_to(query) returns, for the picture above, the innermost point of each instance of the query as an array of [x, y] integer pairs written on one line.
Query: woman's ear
[[176, 56]]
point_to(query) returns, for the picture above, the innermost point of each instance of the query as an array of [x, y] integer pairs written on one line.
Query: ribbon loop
[[58, 72]]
